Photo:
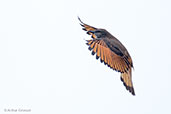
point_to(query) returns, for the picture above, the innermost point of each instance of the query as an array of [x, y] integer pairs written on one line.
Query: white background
[[45, 65]]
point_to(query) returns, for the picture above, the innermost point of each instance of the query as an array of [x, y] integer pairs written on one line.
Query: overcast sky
[[45, 65]]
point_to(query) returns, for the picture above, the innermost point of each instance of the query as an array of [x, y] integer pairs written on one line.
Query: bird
[[111, 52]]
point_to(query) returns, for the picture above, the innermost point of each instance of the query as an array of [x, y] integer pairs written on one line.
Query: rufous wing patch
[[107, 56]]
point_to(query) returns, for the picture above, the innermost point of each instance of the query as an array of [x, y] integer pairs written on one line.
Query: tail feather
[[126, 78]]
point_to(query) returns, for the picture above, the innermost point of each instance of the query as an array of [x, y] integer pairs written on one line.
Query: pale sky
[[46, 66]]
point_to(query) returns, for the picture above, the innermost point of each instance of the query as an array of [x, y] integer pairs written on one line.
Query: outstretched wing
[[112, 60], [107, 56], [88, 28]]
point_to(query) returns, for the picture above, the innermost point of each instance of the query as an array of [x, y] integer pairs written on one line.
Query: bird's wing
[[88, 28], [107, 56], [114, 61]]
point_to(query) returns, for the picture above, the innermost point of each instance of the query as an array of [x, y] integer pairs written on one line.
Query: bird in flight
[[111, 52]]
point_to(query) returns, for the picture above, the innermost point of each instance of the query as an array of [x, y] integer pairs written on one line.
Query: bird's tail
[[126, 78]]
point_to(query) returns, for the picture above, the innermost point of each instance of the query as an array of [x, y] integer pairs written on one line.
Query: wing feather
[[113, 61], [98, 50], [95, 48], [107, 56], [88, 28]]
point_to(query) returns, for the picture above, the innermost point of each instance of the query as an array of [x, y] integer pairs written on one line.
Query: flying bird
[[111, 52]]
